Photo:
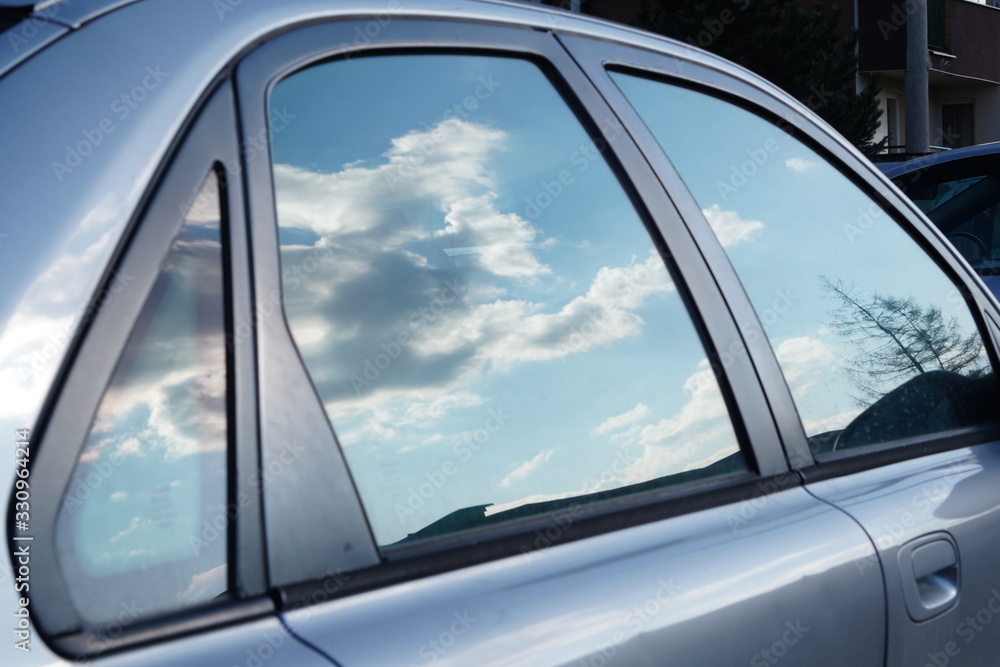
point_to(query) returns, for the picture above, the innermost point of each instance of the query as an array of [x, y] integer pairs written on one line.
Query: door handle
[[929, 570]]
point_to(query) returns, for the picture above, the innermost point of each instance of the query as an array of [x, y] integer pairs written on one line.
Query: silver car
[[470, 333]]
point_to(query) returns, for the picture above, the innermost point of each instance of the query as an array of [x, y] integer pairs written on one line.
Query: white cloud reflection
[[416, 293], [799, 165], [729, 227]]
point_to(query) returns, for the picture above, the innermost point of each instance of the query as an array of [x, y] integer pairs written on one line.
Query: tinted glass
[[479, 305], [876, 343], [964, 202], [143, 519]]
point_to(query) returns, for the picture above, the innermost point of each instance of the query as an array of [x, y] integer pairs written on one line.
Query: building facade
[[963, 62], [954, 101]]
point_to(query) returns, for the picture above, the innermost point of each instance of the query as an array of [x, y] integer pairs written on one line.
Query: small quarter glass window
[[152, 472]]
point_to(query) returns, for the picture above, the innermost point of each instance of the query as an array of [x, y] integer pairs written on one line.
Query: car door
[[885, 340], [506, 414]]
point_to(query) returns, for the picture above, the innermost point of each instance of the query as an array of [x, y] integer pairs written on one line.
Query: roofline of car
[[942, 158], [73, 14]]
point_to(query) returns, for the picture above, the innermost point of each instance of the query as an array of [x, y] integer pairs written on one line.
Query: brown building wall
[[972, 32], [972, 36], [974, 41], [624, 11]]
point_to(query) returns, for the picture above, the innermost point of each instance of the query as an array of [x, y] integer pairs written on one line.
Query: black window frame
[[689, 69], [318, 42], [206, 145]]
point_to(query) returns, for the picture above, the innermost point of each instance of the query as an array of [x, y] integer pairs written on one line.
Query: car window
[[966, 207], [876, 343], [140, 518], [482, 311]]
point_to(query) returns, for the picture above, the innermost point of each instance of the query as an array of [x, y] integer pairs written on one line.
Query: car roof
[[21, 8], [945, 157], [31, 26], [70, 11]]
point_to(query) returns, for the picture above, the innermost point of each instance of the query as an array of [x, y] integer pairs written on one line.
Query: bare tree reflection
[[897, 339]]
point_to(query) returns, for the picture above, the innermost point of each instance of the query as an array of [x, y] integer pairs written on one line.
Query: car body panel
[[908, 641], [947, 495], [264, 641], [668, 591], [28, 38]]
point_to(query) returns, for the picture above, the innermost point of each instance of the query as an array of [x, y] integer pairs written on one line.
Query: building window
[[957, 124], [937, 34]]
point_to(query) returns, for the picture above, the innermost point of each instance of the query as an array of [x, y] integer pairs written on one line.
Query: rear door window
[[483, 312], [875, 341]]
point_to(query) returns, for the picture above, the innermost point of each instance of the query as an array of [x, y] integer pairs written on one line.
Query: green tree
[[795, 48]]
